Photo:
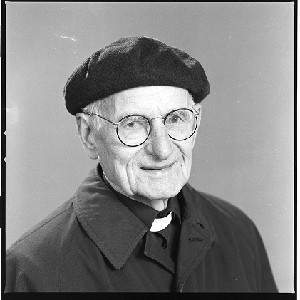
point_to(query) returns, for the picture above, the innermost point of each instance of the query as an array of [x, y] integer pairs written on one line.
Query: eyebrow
[[123, 115]]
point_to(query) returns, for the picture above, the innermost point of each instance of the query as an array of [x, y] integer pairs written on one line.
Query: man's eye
[[133, 123], [175, 119]]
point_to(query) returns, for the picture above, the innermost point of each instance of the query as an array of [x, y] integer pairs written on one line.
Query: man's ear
[[85, 132]]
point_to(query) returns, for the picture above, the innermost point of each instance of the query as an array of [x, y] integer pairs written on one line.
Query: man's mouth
[[157, 168]]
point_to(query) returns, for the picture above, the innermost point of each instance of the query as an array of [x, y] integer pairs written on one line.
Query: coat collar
[[111, 225]]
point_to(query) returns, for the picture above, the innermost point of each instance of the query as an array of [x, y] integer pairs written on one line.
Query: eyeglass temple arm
[[195, 111], [93, 114]]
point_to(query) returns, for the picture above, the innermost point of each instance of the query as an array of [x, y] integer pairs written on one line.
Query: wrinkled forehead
[[148, 101]]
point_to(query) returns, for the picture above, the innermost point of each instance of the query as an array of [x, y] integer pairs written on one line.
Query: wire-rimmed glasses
[[133, 130]]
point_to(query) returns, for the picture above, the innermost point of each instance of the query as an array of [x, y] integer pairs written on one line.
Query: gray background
[[244, 150]]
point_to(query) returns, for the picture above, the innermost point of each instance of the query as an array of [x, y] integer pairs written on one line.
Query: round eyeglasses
[[134, 130]]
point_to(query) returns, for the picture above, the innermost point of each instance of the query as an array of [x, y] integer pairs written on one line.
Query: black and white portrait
[[149, 147]]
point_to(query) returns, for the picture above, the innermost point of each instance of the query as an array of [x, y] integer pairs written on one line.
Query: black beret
[[133, 62]]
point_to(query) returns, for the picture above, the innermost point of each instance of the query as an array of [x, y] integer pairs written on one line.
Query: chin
[[156, 185], [159, 191]]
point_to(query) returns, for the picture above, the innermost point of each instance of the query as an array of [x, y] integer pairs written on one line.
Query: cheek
[[117, 162], [107, 149], [186, 150]]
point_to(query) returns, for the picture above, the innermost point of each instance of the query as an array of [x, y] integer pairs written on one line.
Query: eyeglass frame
[[193, 110]]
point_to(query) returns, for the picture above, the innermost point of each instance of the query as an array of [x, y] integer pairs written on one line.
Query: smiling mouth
[[157, 168]]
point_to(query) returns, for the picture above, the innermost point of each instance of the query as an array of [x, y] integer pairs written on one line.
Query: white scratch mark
[[12, 114], [72, 38]]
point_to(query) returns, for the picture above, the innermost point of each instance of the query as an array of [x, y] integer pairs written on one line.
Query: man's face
[[158, 168]]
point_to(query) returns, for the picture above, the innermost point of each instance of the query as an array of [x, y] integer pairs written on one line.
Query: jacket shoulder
[[48, 224], [39, 252], [222, 214], [237, 238]]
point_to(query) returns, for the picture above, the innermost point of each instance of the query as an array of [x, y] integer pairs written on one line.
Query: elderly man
[[135, 224]]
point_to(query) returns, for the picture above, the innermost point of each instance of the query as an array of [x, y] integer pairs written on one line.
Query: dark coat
[[88, 244]]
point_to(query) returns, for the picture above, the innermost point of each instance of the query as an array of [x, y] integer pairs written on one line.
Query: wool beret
[[133, 62]]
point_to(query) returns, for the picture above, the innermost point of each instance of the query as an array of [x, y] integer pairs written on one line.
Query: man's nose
[[159, 143]]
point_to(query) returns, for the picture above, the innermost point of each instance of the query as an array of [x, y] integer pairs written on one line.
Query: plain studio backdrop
[[244, 149]]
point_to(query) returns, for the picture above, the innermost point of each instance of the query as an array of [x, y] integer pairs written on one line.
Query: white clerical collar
[[161, 223]]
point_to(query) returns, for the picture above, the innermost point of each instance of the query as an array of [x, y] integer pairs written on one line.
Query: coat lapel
[[196, 237]]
